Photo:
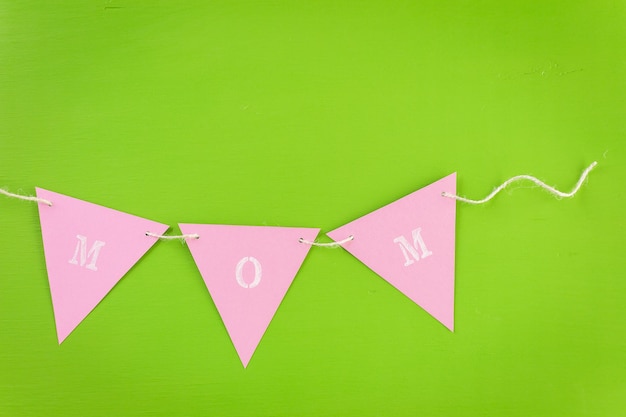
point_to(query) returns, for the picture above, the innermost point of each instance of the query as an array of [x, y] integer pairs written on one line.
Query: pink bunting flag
[[410, 243], [247, 270], [88, 249]]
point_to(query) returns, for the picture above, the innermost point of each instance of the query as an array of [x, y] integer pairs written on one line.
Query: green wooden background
[[313, 113]]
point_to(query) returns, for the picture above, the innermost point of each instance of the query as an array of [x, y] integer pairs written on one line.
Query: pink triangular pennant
[[88, 249], [410, 243], [247, 270]]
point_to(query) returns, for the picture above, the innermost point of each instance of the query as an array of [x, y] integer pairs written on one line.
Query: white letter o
[[257, 272]]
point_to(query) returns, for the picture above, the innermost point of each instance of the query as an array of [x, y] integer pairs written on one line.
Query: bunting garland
[[248, 270]]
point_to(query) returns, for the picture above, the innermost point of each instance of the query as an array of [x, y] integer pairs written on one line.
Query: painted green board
[[311, 114]]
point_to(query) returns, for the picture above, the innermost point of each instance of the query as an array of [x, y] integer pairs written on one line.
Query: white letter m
[[81, 247], [408, 249]]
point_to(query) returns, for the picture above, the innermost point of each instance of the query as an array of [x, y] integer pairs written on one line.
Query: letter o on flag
[[257, 272]]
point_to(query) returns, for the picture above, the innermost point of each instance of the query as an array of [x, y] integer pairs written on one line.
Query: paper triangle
[[410, 243], [247, 270], [88, 249]]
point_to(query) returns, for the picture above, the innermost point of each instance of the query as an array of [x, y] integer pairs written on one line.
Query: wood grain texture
[[312, 114]]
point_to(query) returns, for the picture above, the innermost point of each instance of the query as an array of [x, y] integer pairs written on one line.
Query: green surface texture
[[313, 113]]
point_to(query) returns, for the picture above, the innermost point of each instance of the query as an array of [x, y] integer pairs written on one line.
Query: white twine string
[[501, 187], [540, 183], [26, 197], [179, 237], [327, 245]]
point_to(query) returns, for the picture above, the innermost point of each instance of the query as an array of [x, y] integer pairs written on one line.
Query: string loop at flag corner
[[182, 237], [335, 244]]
